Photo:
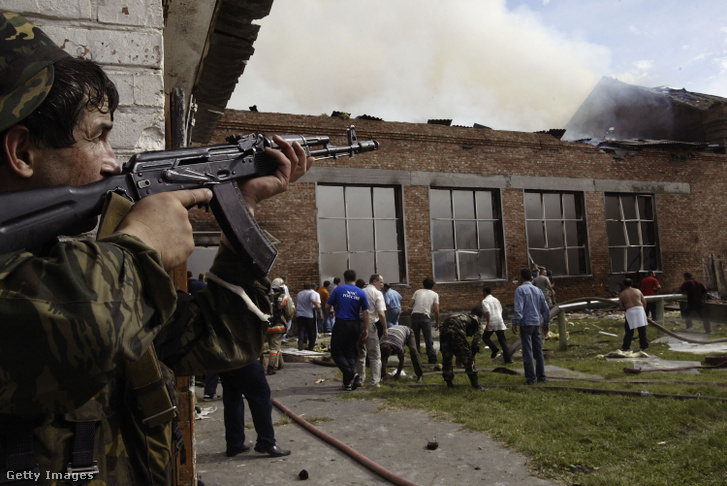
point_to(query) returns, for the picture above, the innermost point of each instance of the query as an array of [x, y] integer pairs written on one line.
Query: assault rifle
[[33, 217]]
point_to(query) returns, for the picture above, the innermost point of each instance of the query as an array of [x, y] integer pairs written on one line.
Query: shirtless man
[[633, 302]]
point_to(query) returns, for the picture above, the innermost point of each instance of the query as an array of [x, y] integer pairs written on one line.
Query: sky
[[523, 65]]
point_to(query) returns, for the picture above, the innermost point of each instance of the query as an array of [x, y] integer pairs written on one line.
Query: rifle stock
[[33, 217]]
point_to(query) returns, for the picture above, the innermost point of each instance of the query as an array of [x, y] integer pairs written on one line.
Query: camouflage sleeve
[[479, 330], [213, 330], [70, 316]]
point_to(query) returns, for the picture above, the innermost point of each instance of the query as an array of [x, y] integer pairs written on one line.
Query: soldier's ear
[[19, 151]]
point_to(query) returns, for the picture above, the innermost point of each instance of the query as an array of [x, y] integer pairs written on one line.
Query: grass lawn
[[577, 436]]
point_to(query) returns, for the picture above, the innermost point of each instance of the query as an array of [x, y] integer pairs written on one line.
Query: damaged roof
[[620, 112]]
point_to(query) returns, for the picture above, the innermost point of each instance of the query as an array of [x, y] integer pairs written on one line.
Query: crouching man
[[394, 343]]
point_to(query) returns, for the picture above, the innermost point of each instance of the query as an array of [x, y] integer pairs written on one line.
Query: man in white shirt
[[370, 346], [494, 324], [424, 303], [307, 305]]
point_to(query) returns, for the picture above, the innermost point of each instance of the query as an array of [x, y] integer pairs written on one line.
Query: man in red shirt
[[649, 286]]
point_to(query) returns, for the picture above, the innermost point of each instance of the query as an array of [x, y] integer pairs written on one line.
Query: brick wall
[[688, 188], [126, 40]]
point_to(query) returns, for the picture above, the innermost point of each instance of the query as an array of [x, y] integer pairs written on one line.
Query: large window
[[360, 227], [467, 240], [556, 228], [632, 237]]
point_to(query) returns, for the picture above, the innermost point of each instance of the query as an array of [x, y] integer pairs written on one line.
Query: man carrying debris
[[453, 335], [633, 302]]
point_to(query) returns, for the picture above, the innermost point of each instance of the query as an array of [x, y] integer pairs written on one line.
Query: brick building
[[471, 206]]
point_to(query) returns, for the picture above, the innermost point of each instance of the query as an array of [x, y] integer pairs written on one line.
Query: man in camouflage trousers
[[92, 331], [453, 342]]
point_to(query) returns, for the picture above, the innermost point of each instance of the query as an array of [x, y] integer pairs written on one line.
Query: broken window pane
[[444, 266]]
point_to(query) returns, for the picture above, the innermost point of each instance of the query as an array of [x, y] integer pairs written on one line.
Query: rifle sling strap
[[82, 465]]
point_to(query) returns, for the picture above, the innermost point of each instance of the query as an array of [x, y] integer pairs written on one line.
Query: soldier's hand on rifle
[[292, 165], [162, 222]]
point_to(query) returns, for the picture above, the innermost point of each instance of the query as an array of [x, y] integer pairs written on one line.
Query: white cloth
[[636, 317], [492, 305], [424, 299]]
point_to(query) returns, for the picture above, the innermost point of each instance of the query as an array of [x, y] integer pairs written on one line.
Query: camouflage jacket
[[466, 324], [72, 315]]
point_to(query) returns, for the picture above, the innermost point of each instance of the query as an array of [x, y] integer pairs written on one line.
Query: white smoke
[[473, 61]]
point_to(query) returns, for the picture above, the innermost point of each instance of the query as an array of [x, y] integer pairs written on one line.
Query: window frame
[[457, 256], [350, 253], [630, 227], [550, 222]]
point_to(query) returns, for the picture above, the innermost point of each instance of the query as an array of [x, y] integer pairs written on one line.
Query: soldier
[[453, 342], [94, 330]]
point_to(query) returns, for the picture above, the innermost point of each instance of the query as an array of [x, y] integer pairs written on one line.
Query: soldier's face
[[88, 160]]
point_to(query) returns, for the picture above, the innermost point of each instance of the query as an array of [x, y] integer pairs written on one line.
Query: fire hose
[[355, 455]]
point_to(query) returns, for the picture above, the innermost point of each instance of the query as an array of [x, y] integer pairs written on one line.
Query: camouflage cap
[[26, 67]]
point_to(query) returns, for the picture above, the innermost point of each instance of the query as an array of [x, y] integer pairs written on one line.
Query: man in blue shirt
[[392, 298], [349, 301], [531, 310]]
